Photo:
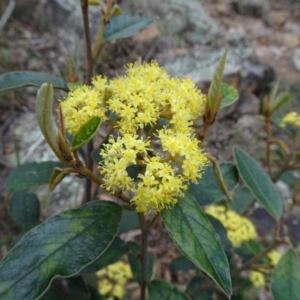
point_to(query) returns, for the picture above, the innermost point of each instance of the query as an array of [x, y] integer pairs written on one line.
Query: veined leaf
[[229, 95], [206, 190], [24, 208], [30, 175], [86, 133], [285, 283], [124, 26], [194, 235], [259, 183], [159, 289], [19, 79], [61, 246]]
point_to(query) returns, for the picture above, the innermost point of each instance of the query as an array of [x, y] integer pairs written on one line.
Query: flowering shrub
[[152, 165]]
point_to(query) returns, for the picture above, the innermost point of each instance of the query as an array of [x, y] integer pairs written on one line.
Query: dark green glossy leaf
[[112, 254], [124, 26], [229, 95], [207, 190], [134, 258], [249, 249], [285, 284], [194, 235], [24, 208], [241, 199], [73, 288], [30, 175], [77, 289], [159, 289], [19, 79], [129, 221], [194, 285], [259, 183], [86, 133], [181, 264], [221, 231], [61, 246]]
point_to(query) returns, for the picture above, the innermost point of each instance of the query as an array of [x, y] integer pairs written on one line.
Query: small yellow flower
[[84, 103], [292, 119], [274, 257], [239, 229], [257, 279], [112, 280]]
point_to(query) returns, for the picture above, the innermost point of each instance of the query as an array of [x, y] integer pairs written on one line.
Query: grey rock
[[186, 19], [256, 8]]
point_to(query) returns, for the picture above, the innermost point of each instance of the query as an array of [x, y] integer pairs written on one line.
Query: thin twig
[[256, 258], [89, 67], [9, 9]]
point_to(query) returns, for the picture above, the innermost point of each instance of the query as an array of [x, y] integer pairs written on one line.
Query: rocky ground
[[263, 42]]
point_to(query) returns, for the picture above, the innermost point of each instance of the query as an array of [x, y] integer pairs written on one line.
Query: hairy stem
[[89, 74]]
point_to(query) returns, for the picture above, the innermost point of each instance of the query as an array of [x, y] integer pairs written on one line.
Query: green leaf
[[159, 289], [259, 183], [30, 175], [77, 289], [61, 246], [229, 95], [56, 178], [134, 258], [241, 199], [24, 208], [214, 92], [181, 264], [277, 119], [86, 133], [194, 285], [43, 109], [73, 288], [279, 101], [289, 177], [285, 283], [19, 79], [124, 26], [222, 233], [194, 235], [129, 221], [249, 249], [112, 254], [97, 158], [207, 191]]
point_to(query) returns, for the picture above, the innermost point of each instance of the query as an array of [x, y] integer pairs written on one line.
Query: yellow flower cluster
[[112, 280], [147, 93], [258, 279], [274, 257], [239, 229], [83, 104], [140, 98], [292, 119]]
